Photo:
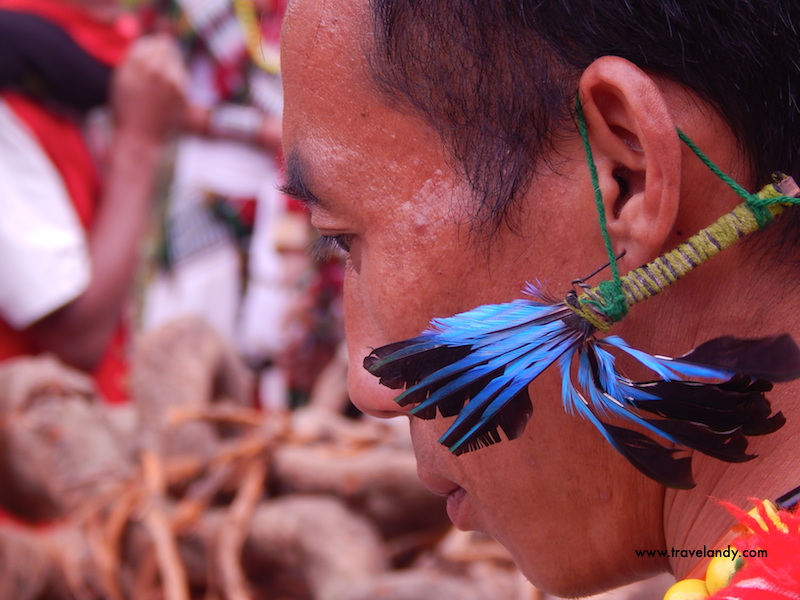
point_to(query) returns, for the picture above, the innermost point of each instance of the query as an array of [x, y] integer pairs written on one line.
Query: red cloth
[[62, 140], [107, 42]]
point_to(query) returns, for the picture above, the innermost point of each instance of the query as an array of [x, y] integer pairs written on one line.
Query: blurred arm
[[147, 101], [237, 123]]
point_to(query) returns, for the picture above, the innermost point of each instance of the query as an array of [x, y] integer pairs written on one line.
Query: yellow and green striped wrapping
[[648, 280]]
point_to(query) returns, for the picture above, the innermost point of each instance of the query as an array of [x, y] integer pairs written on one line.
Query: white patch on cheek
[[430, 206]]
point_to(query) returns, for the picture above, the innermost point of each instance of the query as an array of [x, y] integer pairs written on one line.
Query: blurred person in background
[[74, 216], [219, 249]]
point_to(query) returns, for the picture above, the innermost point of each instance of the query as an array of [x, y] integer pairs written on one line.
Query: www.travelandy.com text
[[704, 552]]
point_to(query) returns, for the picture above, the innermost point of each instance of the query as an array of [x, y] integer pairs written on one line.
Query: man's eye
[[328, 247]]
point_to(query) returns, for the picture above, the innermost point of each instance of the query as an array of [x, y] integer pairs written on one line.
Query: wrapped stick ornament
[[477, 365]]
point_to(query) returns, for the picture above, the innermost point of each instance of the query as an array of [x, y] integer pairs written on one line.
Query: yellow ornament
[[720, 571], [688, 589]]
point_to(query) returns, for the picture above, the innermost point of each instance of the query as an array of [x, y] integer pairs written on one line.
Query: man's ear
[[637, 153]]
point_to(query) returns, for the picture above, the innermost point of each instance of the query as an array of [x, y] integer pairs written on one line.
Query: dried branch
[[159, 527], [234, 531]]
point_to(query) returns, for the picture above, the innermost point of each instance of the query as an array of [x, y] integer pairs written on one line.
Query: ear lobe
[[637, 153]]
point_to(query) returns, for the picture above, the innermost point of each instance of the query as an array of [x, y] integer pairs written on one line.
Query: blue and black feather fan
[[477, 366]]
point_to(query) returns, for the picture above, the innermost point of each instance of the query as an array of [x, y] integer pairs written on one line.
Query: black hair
[[497, 78]]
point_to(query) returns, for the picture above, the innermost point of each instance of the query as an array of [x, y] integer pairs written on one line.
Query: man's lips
[[431, 468], [456, 499], [457, 509], [440, 487]]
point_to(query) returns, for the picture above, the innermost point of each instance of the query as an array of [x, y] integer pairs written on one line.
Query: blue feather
[[477, 366], [665, 367]]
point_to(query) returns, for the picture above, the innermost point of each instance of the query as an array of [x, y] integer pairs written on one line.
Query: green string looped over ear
[[609, 302], [615, 306]]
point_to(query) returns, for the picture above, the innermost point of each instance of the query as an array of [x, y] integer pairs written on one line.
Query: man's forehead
[[339, 130], [323, 53], [322, 22]]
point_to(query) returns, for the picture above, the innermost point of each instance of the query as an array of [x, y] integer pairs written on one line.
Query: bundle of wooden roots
[[189, 493]]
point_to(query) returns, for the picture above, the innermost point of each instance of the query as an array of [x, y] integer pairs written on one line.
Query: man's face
[[381, 182]]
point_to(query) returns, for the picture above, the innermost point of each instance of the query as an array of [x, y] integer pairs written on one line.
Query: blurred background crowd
[[140, 166]]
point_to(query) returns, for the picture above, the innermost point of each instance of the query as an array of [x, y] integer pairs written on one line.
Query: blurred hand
[[148, 90]]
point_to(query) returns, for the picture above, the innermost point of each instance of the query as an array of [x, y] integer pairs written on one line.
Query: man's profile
[[437, 144]]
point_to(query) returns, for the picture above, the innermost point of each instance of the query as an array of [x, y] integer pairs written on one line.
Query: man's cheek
[[395, 301], [367, 309]]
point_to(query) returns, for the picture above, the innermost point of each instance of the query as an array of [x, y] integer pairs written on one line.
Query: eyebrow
[[296, 184]]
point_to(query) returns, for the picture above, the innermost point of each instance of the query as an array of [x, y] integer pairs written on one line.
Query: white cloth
[[209, 283], [206, 285], [44, 259], [248, 309], [261, 329]]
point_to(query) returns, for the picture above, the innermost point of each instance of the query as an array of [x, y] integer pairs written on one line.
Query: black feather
[[512, 422], [721, 407], [651, 458], [729, 446], [775, 358]]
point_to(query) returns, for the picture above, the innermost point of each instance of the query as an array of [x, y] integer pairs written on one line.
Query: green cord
[[615, 306], [608, 298], [756, 204]]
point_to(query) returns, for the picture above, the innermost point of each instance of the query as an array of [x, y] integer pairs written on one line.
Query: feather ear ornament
[[477, 365]]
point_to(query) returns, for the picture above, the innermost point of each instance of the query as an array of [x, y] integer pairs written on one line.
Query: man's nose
[[368, 395]]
